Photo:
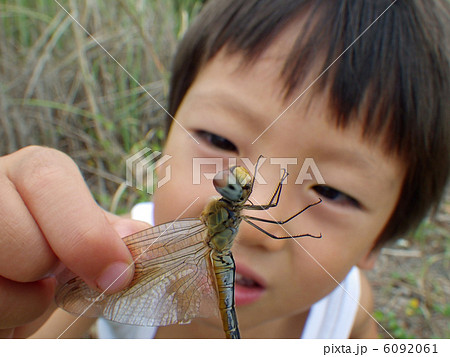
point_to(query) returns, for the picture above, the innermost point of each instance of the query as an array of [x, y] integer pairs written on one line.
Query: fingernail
[[115, 277]]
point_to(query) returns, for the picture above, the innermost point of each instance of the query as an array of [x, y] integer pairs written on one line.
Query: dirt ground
[[411, 282]]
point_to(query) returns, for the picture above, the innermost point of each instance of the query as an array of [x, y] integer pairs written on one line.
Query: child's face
[[238, 104]]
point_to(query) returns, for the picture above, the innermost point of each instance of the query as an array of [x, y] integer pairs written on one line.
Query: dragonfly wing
[[174, 280]]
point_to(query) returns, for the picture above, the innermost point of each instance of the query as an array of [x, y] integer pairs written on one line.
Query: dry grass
[[59, 88]]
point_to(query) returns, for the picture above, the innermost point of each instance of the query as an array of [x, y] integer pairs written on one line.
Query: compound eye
[[225, 184]]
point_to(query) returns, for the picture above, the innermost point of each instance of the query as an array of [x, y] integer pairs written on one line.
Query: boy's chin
[[369, 260], [213, 322]]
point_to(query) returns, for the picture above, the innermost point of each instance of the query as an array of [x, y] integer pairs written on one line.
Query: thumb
[[126, 226], [118, 276]]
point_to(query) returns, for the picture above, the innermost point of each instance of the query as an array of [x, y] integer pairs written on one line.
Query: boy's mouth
[[248, 287], [244, 281]]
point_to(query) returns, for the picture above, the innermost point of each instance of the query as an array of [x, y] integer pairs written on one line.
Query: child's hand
[[48, 217]]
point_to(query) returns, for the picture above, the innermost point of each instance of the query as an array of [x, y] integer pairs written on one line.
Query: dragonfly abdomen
[[224, 269], [222, 220]]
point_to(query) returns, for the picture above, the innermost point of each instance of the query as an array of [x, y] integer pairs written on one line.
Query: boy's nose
[[261, 195], [252, 237]]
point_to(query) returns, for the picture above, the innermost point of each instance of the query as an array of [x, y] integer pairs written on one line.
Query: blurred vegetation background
[[59, 88]]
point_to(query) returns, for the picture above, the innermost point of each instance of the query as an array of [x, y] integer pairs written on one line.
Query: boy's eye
[[217, 141], [328, 193]]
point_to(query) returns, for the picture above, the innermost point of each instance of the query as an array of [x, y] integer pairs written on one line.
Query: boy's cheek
[[176, 200]]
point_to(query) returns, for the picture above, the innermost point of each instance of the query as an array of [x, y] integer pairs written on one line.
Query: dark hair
[[398, 70]]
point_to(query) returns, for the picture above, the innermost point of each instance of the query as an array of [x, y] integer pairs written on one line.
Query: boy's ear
[[368, 261]]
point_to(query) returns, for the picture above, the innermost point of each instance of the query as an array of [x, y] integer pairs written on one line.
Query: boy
[[375, 124]]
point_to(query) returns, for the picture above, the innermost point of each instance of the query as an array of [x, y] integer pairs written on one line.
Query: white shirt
[[331, 317]]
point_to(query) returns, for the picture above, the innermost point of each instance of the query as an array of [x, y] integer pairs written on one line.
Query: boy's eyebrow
[[350, 158], [232, 104], [374, 171]]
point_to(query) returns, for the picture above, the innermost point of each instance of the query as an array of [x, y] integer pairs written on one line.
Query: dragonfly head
[[234, 184]]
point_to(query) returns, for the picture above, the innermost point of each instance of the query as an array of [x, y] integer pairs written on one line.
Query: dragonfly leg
[[276, 237], [284, 221], [275, 197]]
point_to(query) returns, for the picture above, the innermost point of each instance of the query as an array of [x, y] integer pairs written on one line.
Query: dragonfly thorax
[[222, 221]]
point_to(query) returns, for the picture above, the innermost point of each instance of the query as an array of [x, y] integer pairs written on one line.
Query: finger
[[25, 255], [7, 333], [21, 303], [126, 226], [44, 320], [76, 228]]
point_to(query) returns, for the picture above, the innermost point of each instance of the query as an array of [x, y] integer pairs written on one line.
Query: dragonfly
[[183, 269]]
